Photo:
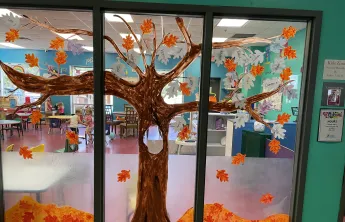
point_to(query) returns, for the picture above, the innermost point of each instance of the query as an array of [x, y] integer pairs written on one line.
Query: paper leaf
[[257, 70], [222, 175], [133, 58], [265, 107], [75, 47], [123, 176], [170, 40], [241, 104], [128, 42], [147, 42], [278, 44], [257, 57], [289, 52], [248, 81], [220, 56], [238, 159], [25, 152], [178, 124], [278, 65], [147, 26], [172, 89], [118, 68], [274, 146], [31, 59], [283, 118], [185, 89], [12, 35], [267, 198], [179, 52], [192, 83], [57, 43], [184, 134], [278, 131], [286, 73], [237, 97], [163, 54], [241, 58], [289, 32], [11, 20], [290, 92], [240, 120], [230, 80], [271, 84]]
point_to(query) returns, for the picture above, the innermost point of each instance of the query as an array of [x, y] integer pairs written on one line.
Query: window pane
[[149, 112], [47, 170], [254, 89]]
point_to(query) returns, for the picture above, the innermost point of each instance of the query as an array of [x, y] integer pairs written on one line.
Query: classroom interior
[[265, 171]]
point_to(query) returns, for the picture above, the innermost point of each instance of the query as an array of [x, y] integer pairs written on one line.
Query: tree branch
[[239, 42], [87, 33], [36, 103], [153, 57]]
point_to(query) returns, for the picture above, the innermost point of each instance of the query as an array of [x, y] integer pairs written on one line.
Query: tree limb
[[29, 105], [87, 33], [153, 58], [239, 42]]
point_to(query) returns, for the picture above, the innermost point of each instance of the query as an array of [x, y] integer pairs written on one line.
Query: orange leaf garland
[[286, 73], [25, 152], [170, 40], [123, 176], [238, 159], [184, 133], [266, 198], [28, 217], [147, 26], [36, 116], [257, 70], [12, 35], [185, 89], [283, 118], [57, 43], [289, 52], [230, 65], [60, 57], [128, 43], [289, 32], [31, 60], [222, 175], [72, 137], [274, 146]]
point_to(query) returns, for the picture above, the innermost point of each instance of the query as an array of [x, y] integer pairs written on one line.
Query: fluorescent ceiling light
[[4, 11], [219, 39], [138, 50], [88, 48], [232, 22], [69, 36], [123, 35], [11, 45], [111, 18]]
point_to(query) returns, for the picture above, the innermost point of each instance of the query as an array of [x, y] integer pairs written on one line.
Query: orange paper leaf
[[230, 65], [289, 32], [12, 35], [60, 57], [128, 43], [283, 118], [222, 175], [31, 60], [257, 70], [289, 52], [286, 73], [238, 159], [123, 176], [208, 219], [50, 218], [184, 133], [28, 217], [25, 152], [57, 43], [147, 26], [36, 116], [274, 146], [266, 198], [185, 89], [170, 40], [72, 137]]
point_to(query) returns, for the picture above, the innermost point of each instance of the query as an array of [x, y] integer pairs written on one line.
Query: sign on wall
[[331, 125], [270, 85], [334, 69]]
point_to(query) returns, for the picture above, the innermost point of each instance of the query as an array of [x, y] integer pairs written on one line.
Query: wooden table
[[7, 122], [63, 119], [119, 113]]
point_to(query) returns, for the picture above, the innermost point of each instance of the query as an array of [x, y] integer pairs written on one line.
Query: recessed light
[[123, 35], [111, 18], [4, 11], [69, 36], [232, 22], [88, 48], [11, 45], [219, 39]]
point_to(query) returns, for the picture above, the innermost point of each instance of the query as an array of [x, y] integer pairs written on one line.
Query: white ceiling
[[83, 20]]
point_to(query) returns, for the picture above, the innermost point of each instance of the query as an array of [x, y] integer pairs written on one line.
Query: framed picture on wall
[[333, 94]]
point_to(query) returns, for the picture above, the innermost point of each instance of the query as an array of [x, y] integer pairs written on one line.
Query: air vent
[[241, 36]]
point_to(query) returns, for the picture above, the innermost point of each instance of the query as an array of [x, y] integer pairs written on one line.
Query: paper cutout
[[278, 131], [147, 26], [28, 216], [74, 47], [265, 107], [274, 146], [31, 60], [222, 175], [57, 43], [179, 52], [289, 32], [286, 73], [25, 152], [238, 159], [230, 80], [257, 70], [163, 54], [170, 40], [61, 57], [230, 65], [36, 116], [192, 83], [241, 58], [283, 118], [184, 134], [185, 89], [248, 81], [72, 137], [267, 198], [257, 57], [241, 119], [128, 42], [172, 89], [290, 92], [278, 65], [123, 176], [289, 53], [118, 68], [133, 58], [11, 20], [278, 44], [12, 35], [220, 56], [179, 123]]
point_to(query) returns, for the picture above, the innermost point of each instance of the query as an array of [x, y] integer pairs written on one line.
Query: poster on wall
[[270, 85], [333, 94], [331, 125], [334, 69]]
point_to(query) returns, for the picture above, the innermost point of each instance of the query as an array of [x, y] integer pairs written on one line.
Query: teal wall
[[326, 161]]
